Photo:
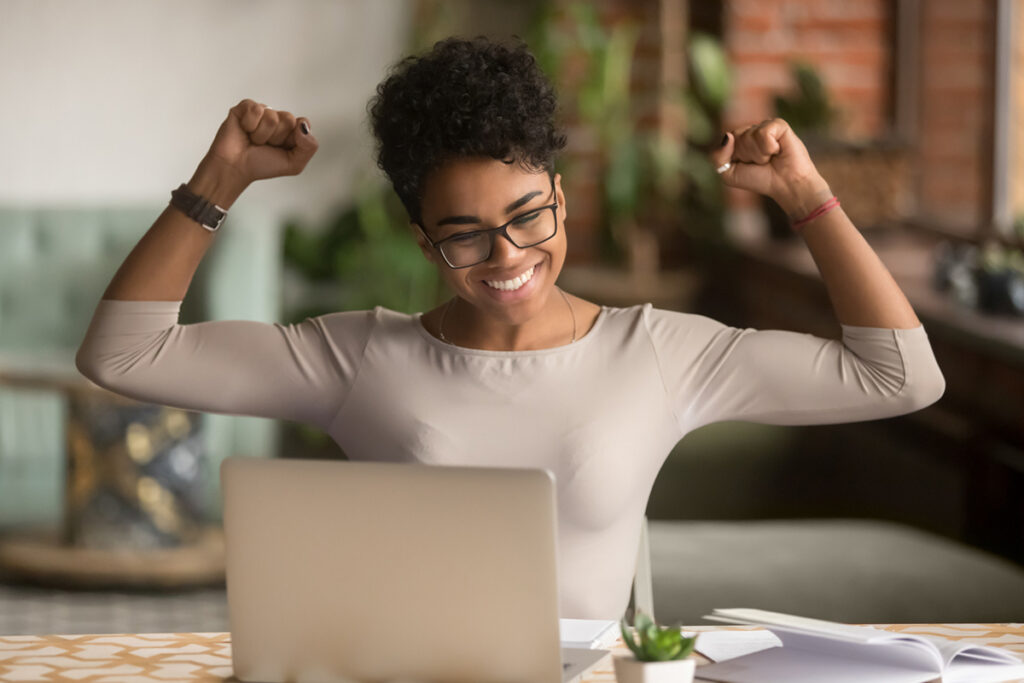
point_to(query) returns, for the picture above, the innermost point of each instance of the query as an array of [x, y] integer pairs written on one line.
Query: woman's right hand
[[258, 142]]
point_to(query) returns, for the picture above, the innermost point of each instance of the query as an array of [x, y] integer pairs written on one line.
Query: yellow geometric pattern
[[206, 657], [117, 658]]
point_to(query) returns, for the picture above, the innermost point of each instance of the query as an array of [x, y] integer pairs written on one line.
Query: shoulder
[[659, 320], [361, 324], [671, 330], [661, 317], [343, 320]]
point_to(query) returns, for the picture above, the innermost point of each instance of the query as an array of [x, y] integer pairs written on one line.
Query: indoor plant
[[661, 653]]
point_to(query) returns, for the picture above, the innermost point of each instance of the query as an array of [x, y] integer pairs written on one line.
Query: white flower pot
[[632, 670]]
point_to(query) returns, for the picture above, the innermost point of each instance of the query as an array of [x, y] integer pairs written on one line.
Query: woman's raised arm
[[771, 160], [135, 345], [883, 365], [253, 143]]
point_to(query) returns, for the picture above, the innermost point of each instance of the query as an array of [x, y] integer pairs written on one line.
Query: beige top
[[601, 414]]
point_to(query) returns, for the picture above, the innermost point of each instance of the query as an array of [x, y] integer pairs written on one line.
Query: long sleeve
[[296, 372], [713, 372]]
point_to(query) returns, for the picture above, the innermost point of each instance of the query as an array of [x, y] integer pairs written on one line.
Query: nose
[[503, 251]]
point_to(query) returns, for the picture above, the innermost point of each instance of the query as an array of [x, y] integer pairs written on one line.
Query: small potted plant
[[660, 654]]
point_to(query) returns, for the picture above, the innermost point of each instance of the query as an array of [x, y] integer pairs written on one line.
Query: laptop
[[366, 571]]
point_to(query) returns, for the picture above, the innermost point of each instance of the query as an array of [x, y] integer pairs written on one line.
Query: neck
[[464, 325]]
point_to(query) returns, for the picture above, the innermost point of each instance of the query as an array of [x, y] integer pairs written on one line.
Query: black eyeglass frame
[[501, 229]]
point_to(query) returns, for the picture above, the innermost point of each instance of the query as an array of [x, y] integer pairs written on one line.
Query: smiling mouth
[[513, 284]]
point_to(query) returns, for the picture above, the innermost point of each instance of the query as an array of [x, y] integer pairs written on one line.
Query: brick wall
[[853, 46], [847, 41], [954, 145]]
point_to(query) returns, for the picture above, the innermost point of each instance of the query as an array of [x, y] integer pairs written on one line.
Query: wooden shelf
[[43, 558]]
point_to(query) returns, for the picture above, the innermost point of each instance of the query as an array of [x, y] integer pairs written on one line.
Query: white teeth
[[513, 284]]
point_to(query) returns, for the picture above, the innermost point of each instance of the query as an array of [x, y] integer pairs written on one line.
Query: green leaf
[[809, 110], [666, 645], [616, 66], [650, 646], [709, 70], [622, 179], [630, 642], [642, 622], [699, 125], [687, 647]]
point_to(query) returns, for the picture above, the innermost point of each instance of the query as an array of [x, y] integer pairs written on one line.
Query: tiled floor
[[30, 610]]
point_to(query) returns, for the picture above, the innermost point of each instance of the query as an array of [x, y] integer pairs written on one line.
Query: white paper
[[719, 646], [814, 651], [587, 633], [777, 665]]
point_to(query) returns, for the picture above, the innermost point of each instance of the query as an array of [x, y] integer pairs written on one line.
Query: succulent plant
[[652, 643]]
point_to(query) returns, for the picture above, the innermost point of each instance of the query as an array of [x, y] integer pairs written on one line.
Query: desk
[[138, 658]]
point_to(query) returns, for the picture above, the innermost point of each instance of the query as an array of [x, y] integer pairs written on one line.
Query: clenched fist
[[771, 160], [260, 142]]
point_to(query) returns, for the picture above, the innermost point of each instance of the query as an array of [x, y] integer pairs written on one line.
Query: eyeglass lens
[[475, 247]]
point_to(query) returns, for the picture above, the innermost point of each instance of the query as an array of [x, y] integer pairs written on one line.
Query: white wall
[[117, 100]]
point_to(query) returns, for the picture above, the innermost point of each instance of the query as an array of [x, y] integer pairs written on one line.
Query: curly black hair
[[463, 98]]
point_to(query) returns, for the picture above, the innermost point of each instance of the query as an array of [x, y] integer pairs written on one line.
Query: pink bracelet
[[820, 211]]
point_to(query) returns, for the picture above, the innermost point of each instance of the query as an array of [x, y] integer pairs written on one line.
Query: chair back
[[643, 588], [55, 263]]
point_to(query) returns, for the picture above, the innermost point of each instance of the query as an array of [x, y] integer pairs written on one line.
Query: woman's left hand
[[771, 160]]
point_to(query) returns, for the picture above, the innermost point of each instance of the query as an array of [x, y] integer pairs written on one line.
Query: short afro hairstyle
[[463, 98]]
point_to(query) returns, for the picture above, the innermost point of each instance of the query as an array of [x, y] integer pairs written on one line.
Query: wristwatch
[[199, 209]]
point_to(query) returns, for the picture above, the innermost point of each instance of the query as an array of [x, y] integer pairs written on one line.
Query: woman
[[512, 371]]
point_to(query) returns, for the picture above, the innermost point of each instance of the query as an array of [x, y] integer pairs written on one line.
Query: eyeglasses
[[466, 249]]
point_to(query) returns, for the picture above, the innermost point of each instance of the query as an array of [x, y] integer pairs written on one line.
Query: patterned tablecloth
[[134, 658]]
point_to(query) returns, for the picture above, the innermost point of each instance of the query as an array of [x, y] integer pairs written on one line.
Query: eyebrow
[[463, 220]]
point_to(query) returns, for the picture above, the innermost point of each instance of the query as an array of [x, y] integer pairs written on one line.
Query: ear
[[560, 196], [421, 240]]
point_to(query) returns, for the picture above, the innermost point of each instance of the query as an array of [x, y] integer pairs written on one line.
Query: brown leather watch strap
[[199, 209]]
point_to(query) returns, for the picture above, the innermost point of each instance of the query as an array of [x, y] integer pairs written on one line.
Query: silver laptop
[[359, 571]]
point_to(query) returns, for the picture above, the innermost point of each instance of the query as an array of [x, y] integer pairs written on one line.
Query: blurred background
[[912, 109]]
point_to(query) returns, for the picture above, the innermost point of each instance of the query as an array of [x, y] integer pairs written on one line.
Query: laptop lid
[[380, 571]]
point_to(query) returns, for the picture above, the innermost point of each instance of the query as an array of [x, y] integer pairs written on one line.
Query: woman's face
[[477, 193]]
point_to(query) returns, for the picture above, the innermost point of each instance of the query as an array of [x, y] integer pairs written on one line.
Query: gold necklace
[[444, 316]]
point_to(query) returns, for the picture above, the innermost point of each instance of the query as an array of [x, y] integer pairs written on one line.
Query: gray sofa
[[737, 520]]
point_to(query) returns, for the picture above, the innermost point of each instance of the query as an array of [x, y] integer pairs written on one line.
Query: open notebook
[[813, 651]]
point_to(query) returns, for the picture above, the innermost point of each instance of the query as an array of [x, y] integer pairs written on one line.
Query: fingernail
[[725, 139], [304, 127]]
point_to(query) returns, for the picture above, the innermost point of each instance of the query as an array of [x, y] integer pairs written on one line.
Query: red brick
[[954, 118], [871, 26], [764, 76], [956, 77], [873, 56], [752, 8], [843, 9], [839, 75], [740, 60], [746, 41], [959, 38], [746, 22], [958, 10]]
